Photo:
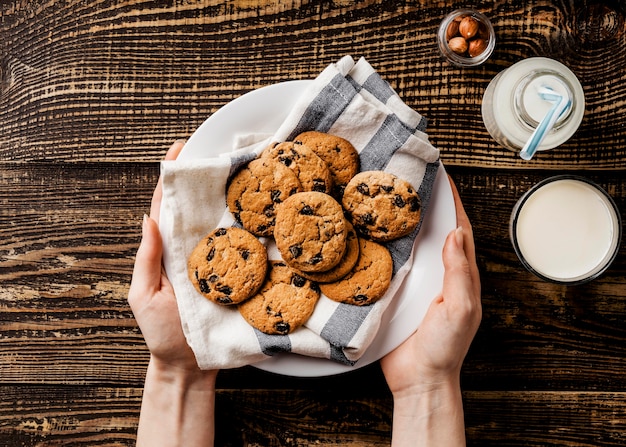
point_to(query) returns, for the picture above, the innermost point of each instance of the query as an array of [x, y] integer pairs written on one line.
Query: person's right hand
[[435, 352]]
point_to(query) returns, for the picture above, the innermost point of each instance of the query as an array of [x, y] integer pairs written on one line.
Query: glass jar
[[512, 108], [472, 44]]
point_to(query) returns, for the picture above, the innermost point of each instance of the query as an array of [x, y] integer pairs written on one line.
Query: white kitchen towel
[[347, 99]]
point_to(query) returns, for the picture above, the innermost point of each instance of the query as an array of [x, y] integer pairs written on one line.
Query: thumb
[[457, 275], [147, 272]]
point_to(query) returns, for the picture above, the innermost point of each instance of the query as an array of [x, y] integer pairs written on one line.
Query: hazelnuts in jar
[[467, 36]]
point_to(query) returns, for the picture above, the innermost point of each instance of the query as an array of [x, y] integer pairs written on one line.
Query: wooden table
[[93, 92]]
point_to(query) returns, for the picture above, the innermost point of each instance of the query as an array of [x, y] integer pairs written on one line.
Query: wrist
[[429, 414], [178, 406], [188, 379]]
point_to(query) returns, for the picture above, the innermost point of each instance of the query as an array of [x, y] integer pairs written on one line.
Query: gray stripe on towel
[[344, 323], [273, 344], [391, 135], [337, 354], [378, 87], [326, 108]]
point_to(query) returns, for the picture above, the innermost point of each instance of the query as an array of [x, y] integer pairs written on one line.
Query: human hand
[[151, 295], [435, 352]]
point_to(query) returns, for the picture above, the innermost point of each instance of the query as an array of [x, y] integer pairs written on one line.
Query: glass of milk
[[566, 230], [512, 107]]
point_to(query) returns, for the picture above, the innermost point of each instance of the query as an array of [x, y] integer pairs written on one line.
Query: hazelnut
[[468, 27], [453, 30], [477, 46], [458, 45]]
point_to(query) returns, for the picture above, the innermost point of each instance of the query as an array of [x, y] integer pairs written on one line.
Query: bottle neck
[[530, 107]]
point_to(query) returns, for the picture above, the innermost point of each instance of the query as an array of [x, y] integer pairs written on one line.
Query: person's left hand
[[151, 295]]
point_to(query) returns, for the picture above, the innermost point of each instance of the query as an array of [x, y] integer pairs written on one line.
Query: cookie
[[255, 191], [381, 206], [338, 153], [368, 281], [228, 265], [310, 169], [348, 261], [310, 231], [284, 303]]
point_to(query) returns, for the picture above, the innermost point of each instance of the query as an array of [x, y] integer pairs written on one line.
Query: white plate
[[263, 111]]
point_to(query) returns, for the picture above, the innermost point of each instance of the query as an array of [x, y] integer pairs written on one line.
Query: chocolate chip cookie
[[348, 261], [310, 169], [368, 281], [255, 191], [284, 303], [228, 265], [339, 154], [310, 231], [381, 206]]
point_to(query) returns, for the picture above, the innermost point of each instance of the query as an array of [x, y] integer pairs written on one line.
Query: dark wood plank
[[117, 81], [105, 416], [68, 236]]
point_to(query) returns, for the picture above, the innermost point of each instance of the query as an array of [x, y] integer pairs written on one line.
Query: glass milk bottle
[[512, 107]]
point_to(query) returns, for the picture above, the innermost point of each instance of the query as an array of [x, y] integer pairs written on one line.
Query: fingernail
[[144, 223], [180, 140], [458, 234]]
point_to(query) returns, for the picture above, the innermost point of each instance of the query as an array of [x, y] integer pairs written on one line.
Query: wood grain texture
[[93, 92], [102, 80]]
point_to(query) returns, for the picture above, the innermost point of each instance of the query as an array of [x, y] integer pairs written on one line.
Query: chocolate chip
[[224, 300], [268, 211], [286, 161], [293, 191], [307, 211], [295, 250], [319, 185], [386, 188], [211, 254], [282, 327], [367, 219], [245, 254], [213, 278], [226, 290], [220, 232], [298, 280], [337, 149], [315, 287], [204, 286], [275, 195], [399, 201], [316, 259], [360, 298], [238, 205], [415, 204], [261, 228], [363, 189]]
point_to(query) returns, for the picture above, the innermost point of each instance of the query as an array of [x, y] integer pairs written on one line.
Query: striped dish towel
[[347, 99]]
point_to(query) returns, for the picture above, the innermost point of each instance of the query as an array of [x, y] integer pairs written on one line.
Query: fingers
[[172, 154], [457, 275], [147, 272], [463, 221]]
